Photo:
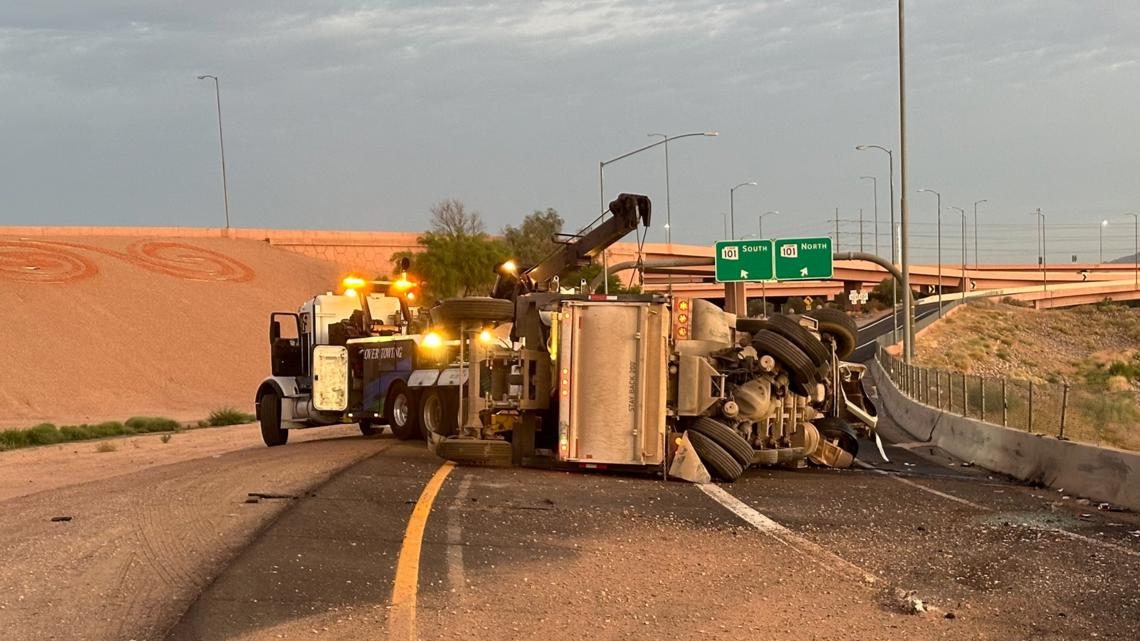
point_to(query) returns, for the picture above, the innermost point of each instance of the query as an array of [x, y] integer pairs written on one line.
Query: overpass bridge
[[1055, 285]]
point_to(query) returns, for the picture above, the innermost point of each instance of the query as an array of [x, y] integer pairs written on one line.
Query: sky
[[361, 115]]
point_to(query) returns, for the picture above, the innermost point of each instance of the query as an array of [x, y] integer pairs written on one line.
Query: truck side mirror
[[274, 330]]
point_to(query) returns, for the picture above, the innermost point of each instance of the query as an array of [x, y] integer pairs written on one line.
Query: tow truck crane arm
[[628, 211]]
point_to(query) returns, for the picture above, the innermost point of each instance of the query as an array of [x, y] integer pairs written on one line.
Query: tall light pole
[[976, 203], [724, 219], [222, 144], [1103, 224], [875, 188], [1044, 260], [764, 283], [939, 248], [602, 188], [732, 207], [904, 223], [760, 220], [894, 253], [668, 200], [1135, 250], [964, 279]]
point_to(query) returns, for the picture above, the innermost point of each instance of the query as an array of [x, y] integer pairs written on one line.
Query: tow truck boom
[[628, 211]]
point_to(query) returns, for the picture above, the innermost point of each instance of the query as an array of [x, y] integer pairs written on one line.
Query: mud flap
[[687, 466], [831, 455]]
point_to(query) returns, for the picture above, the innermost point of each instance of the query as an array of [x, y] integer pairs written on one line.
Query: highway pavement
[[401, 546], [865, 350]]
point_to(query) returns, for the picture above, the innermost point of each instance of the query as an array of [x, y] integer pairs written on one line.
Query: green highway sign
[[801, 259], [743, 261]]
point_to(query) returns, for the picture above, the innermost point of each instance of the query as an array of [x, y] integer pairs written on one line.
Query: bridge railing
[[1083, 412]]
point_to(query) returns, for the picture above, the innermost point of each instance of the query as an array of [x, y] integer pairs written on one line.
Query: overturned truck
[[647, 381]]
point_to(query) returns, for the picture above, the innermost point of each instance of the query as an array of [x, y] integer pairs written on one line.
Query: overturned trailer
[[646, 382]]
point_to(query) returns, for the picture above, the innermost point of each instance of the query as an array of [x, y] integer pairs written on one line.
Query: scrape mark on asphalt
[[917, 486], [813, 551], [957, 499], [402, 616]]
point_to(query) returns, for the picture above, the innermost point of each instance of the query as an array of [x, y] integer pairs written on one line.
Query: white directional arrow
[[803, 272], [743, 274]]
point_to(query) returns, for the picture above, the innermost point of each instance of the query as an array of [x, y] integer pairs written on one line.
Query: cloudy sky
[[360, 115]]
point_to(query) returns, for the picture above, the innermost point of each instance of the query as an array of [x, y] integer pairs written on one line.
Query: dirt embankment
[[1083, 362], [102, 328], [998, 339]]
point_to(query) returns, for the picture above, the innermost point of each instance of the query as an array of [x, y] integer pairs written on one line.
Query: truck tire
[[799, 367], [439, 413], [367, 428], [801, 338], [401, 413], [836, 429], [752, 325], [473, 451], [481, 308], [726, 437], [269, 415], [719, 462], [840, 327]]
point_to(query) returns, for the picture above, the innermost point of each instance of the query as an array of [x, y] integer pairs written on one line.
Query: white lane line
[[982, 508], [948, 497], [1088, 539], [824, 557], [456, 577]]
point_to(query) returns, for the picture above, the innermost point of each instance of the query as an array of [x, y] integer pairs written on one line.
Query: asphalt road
[[885, 325], [781, 554]]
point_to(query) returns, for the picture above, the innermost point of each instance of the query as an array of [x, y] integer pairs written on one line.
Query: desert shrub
[[144, 424], [229, 416]]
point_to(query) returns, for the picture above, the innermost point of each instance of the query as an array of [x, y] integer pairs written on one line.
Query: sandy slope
[[106, 328]]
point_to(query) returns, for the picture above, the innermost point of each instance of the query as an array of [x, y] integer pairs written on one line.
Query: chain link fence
[[1075, 412]]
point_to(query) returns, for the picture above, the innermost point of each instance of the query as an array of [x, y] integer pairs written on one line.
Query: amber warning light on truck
[[682, 325]]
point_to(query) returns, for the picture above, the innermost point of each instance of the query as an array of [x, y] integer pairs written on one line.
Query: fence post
[[938, 386], [926, 386], [1004, 404], [1064, 408], [982, 389], [965, 399], [1030, 427]]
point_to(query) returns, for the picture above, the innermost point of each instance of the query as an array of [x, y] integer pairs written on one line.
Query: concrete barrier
[[1099, 473]]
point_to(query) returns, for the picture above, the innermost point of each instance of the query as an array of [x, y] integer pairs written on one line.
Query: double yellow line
[[402, 616]]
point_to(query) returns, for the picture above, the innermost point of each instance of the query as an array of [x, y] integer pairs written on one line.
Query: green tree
[[458, 257], [533, 240]]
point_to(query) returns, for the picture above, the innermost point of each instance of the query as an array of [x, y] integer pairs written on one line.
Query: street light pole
[[1135, 250], [668, 200], [894, 243], [875, 188], [222, 145], [904, 222], [976, 203], [724, 219], [939, 248], [964, 279], [764, 283], [602, 189], [1103, 224], [760, 220], [732, 206], [1044, 260]]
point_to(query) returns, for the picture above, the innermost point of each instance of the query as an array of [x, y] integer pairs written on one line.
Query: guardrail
[[1065, 410]]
